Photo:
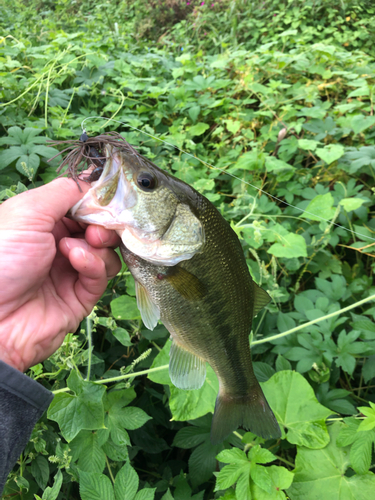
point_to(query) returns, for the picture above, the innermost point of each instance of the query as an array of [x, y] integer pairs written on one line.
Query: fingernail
[[88, 257], [103, 241]]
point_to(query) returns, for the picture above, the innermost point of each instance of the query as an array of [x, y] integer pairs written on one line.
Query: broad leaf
[[321, 474]]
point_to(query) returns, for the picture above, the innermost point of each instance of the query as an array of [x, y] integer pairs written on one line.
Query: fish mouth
[[109, 199]]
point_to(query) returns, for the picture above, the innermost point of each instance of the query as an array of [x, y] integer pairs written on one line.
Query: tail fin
[[251, 412]]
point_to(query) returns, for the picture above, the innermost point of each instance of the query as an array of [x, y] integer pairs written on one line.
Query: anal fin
[[186, 370], [150, 312]]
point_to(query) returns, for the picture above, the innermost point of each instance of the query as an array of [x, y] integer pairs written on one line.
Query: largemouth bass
[[190, 272]]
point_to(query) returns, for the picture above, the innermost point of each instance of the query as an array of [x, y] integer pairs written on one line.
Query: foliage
[[273, 97]]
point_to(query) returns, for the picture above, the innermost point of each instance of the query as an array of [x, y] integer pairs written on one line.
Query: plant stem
[[121, 377], [109, 470], [309, 323], [89, 338]]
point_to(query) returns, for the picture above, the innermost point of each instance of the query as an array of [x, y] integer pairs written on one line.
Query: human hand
[[52, 272]]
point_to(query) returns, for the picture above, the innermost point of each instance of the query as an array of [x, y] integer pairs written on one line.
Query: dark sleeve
[[22, 402]]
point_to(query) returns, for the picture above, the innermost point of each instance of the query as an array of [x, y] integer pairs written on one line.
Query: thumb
[[48, 203]]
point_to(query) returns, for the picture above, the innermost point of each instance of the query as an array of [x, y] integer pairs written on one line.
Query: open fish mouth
[[109, 199]]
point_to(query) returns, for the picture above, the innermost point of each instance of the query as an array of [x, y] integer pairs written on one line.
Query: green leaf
[[291, 245], [94, 486], [122, 336], [198, 129], [126, 483], [194, 113], [321, 207], [8, 156], [51, 493], [233, 456], [330, 153], [369, 422], [167, 496], [273, 164], [282, 363], [40, 471], [261, 478], [351, 203], [186, 405], [281, 479], [307, 144], [32, 162], [295, 406], [84, 410], [229, 475], [359, 123], [261, 455], [243, 491], [125, 307], [87, 450], [361, 451], [321, 474], [145, 494]]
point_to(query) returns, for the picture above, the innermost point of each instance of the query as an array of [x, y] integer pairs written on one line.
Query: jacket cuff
[[24, 387]]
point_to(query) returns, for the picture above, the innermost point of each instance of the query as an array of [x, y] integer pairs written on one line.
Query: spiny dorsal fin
[[186, 284], [150, 312], [186, 370], [261, 299]]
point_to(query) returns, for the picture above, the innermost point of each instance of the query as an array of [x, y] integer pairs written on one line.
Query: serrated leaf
[[281, 479], [360, 452], [189, 437], [233, 456], [32, 162], [51, 493], [40, 471], [87, 450], [261, 478], [229, 474], [261, 455], [93, 486], [243, 491], [145, 494], [126, 483]]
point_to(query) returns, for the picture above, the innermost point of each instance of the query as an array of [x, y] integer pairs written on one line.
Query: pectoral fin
[[261, 299], [186, 370], [150, 312], [186, 284]]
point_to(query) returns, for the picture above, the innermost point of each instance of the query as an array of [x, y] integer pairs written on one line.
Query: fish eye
[[146, 181]]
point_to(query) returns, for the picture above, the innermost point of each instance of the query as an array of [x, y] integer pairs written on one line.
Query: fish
[[190, 272]]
